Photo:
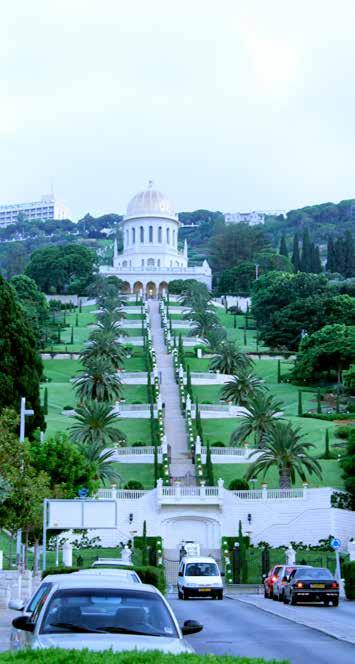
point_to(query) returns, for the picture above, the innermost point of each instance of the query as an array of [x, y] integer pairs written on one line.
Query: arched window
[[160, 234], [174, 239], [124, 264], [150, 233], [168, 235], [150, 262], [141, 234], [127, 238], [133, 235], [158, 262], [142, 262]]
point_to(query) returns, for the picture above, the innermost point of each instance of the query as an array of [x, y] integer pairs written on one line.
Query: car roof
[[107, 571], [198, 559], [78, 580]]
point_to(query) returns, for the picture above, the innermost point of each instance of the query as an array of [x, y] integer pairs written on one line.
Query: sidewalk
[[6, 618], [338, 622]]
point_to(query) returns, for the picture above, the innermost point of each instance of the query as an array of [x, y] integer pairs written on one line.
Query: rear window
[[314, 573]]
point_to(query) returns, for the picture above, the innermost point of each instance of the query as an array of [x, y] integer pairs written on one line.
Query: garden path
[[175, 429]]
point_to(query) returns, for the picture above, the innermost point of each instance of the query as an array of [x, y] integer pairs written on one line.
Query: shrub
[[153, 575], [134, 485], [329, 417], [238, 485], [68, 407], [349, 578], [342, 432], [139, 443], [218, 443]]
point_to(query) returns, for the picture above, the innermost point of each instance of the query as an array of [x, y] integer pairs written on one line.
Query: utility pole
[[24, 412]]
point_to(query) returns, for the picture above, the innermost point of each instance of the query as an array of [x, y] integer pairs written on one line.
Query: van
[[199, 577]]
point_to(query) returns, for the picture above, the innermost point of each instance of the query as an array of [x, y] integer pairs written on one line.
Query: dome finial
[[150, 184]]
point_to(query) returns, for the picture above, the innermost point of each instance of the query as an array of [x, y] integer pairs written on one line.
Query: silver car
[[76, 612], [125, 575], [281, 581]]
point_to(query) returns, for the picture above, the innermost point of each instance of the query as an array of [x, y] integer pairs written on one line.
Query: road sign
[[83, 493], [335, 544]]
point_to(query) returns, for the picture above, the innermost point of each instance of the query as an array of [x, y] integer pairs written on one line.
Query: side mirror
[[180, 574], [16, 604], [191, 627], [24, 623], [264, 577]]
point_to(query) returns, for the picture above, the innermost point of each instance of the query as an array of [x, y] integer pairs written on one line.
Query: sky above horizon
[[229, 106]]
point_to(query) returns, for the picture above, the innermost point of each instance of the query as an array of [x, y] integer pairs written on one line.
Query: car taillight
[[299, 584], [274, 578], [334, 584]]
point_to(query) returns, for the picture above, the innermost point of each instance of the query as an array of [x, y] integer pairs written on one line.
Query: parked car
[[126, 575], [311, 584], [199, 577], [80, 612], [281, 580], [269, 580], [111, 563]]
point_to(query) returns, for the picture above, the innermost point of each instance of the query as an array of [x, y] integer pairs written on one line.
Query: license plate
[[205, 590], [317, 585]]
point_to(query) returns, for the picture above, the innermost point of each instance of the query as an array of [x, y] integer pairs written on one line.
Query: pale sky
[[232, 105]]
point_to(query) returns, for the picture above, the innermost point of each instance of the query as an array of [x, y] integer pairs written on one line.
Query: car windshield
[[314, 573], [103, 610], [201, 569]]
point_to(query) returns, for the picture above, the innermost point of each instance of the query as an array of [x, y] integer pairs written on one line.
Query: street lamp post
[[24, 412]]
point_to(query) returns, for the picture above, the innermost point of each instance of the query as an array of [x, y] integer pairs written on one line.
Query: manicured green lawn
[[237, 334], [142, 472], [330, 469], [133, 332], [197, 365]]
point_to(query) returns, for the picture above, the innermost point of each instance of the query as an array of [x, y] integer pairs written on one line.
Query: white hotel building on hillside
[[150, 257], [47, 208]]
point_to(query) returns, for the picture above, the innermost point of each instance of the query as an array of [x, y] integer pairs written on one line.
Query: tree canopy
[[331, 348], [20, 367], [64, 268], [32, 300]]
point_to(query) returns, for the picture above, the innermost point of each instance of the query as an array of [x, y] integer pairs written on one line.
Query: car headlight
[[216, 585], [192, 585]]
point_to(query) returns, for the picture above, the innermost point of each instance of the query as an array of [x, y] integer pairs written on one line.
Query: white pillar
[[1, 559], [67, 555], [160, 488], [197, 445], [351, 550], [290, 555]]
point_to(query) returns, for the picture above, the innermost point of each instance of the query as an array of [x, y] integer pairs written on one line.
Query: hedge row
[[329, 417], [57, 656], [349, 579], [147, 573]]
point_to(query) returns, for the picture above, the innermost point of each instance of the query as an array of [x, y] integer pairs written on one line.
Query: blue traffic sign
[[82, 493], [335, 544]]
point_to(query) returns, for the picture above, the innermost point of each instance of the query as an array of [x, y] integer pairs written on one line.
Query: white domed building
[[150, 257]]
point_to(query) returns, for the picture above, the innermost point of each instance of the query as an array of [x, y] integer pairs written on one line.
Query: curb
[[299, 621]]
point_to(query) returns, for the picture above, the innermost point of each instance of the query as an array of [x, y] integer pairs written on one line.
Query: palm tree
[[98, 381], [195, 296], [203, 322], [230, 359], [94, 424], [102, 462], [285, 449], [242, 387], [108, 319], [261, 417], [104, 345]]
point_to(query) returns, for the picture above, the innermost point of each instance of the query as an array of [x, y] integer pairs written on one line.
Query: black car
[[311, 584]]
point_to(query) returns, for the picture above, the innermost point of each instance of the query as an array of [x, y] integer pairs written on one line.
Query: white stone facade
[[150, 257]]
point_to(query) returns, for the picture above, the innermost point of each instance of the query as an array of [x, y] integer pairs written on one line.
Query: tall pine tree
[[283, 247], [296, 262], [330, 265]]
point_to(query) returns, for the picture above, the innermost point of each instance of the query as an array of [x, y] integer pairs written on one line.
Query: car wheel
[[281, 597], [275, 597], [179, 593], [293, 600], [286, 599], [326, 602], [220, 596], [335, 602], [184, 594]]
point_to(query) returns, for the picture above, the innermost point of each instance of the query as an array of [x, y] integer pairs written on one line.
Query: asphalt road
[[234, 628]]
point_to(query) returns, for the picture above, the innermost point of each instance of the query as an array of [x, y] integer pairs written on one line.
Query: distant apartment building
[[250, 218], [47, 208]]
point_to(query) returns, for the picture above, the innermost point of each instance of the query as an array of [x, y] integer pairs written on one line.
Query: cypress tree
[[80, 306], [156, 464], [152, 423], [337, 403], [76, 320], [235, 321], [279, 371], [339, 256], [188, 381], [72, 335], [296, 254], [349, 255], [242, 555], [327, 454], [149, 389], [209, 467], [144, 543], [45, 401], [300, 408], [58, 333], [317, 263], [181, 354], [283, 247], [319, 404], [306, 257], [198, 423], [330, 265], [245, 337]]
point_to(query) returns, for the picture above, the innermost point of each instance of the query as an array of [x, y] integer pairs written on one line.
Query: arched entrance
[[151, 289], [138, 288], [126, 287], [163, 288], [204, 530]]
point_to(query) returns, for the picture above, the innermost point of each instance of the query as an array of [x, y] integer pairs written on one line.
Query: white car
[[111, 563], [75, 612], [125, 575], [199, 577]]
